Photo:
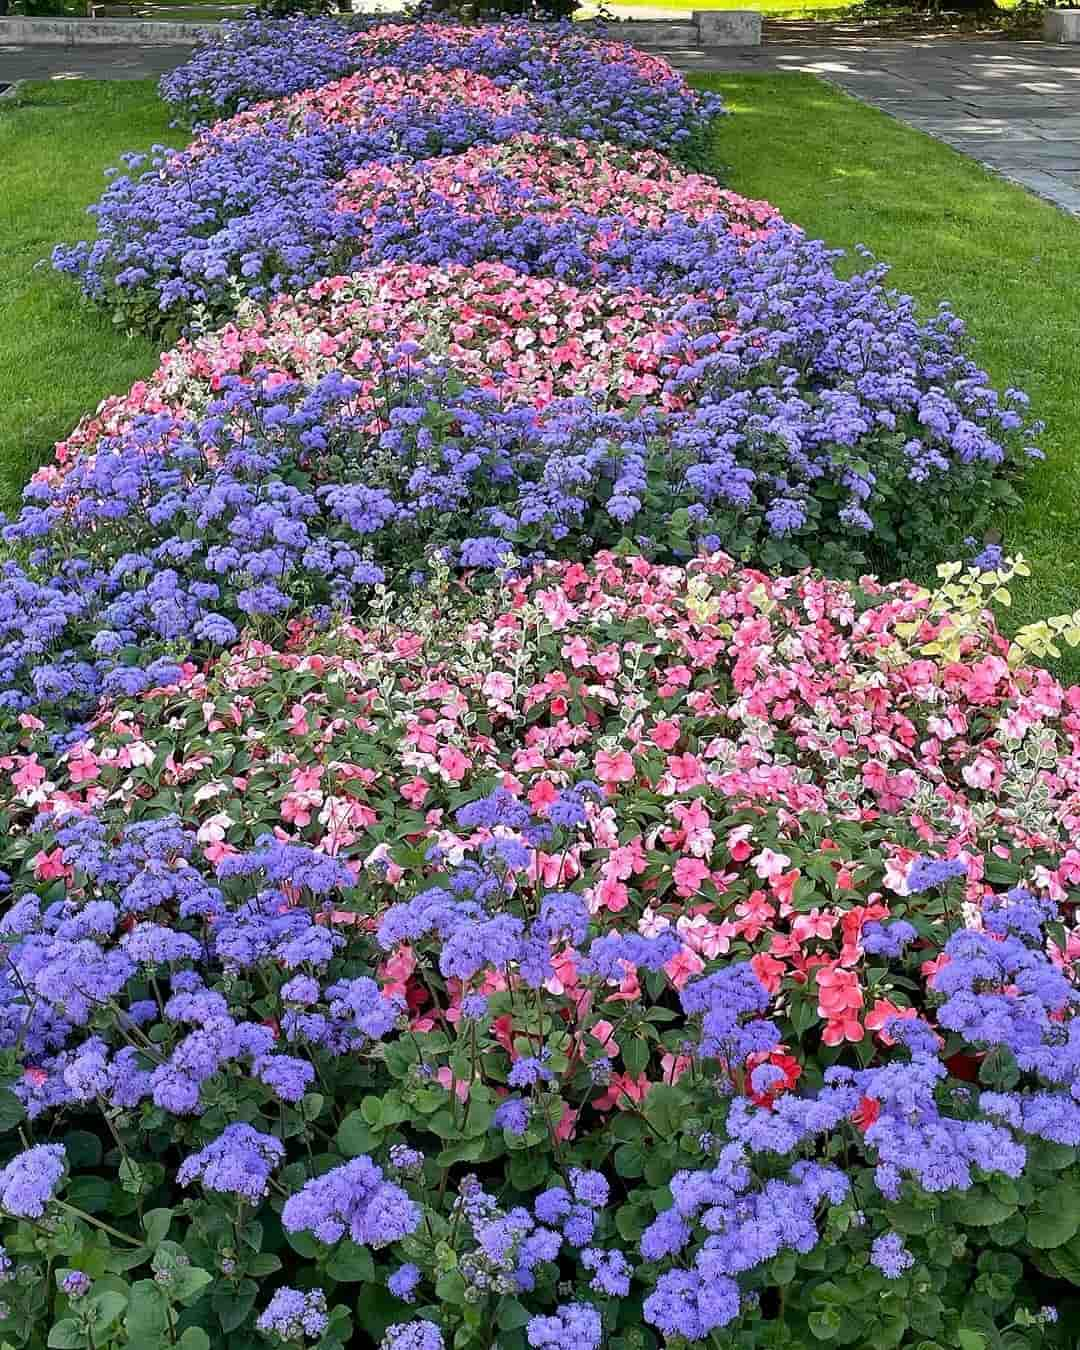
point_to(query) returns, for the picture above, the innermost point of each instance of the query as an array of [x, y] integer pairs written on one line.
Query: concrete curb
[[98, 33], [1061, 25], [706, 28], [709, 28]]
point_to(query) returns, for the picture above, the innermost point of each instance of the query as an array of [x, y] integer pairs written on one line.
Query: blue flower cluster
[[251, 213], [593, 91]]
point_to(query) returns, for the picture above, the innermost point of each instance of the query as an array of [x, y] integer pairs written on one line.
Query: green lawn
[[1008, 263], [58, 355]]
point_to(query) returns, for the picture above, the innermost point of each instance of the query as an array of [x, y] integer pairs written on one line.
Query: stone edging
[[1061, 25], [98, 32], [706, 28]]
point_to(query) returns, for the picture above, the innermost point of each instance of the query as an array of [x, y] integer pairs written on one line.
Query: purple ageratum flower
[[1019, 913], [611, 955], [474, 944], [151, 943], [530, 1070], [563, 914], [418, 1335], [568, 809], [667, 1235], [402, 1283], [512, 1115], [293, 1315], [890, 1255], [238, 1162], [576, 1325], [927, 874], [765, 1077], [29, 1181], [553, 1205], [76, 1284], [353, 1199], [589, 1187], [685, 1304], [543, 1244], [729, 1002], [913, 1137], [887, 939], [406, 1160], [611, 1272], [363, 1009], [474, 1007]]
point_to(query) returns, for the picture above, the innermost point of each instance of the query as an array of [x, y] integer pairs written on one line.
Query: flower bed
[[628, 948], [449, 902], [867, 433]]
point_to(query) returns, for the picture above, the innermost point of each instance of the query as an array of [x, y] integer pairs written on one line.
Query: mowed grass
[[1008, 263], [58, 355]]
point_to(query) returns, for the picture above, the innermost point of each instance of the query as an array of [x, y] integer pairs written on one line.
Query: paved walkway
[[1015, 106], [129, 62]]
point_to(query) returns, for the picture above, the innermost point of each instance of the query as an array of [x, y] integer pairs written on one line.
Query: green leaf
[[66, 1335], [351, 1264], [979, 1208], [265, 1263], [468, 1150], [1053, 1219], [783, 1268], [665, 1108], [231, 1304], [94, 1194], [188, 1283], [194, 1338], [11, 1112], [304, 1245], [83, 1148], [824, 1324], [107, 1307], [1066, 1260], [147, 1313], [356, 1135], [635, 1053], [631, 1221], [511, 1315], [156, 1225], [970, 1340], [909, 1219], [529, 1170], [629, 1160]]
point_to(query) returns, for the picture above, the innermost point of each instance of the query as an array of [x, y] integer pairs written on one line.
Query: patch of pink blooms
[[730, 707], [597, 178], [384, 38], [530, 339], [369, 96]]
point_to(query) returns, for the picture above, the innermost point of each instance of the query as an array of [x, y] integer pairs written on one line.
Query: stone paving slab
[[21, 61], [1014, 106]]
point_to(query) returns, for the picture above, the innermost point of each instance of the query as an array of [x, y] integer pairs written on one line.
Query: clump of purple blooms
[[29, 1181], [293, 1314], [238, 1162]]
